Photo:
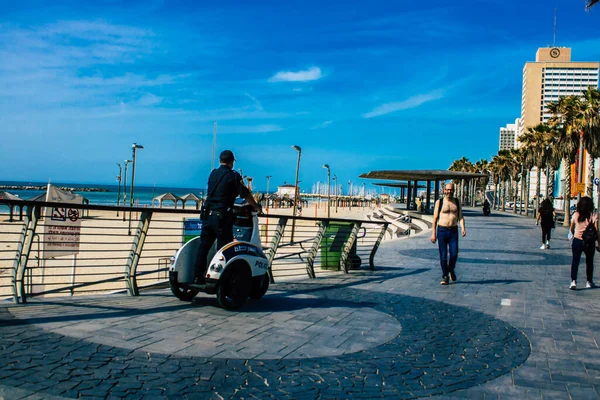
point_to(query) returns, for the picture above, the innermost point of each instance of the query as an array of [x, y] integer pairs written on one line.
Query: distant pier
[[42, 188]]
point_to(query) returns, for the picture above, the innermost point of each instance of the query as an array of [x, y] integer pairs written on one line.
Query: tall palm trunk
[[589, 184], [526, 191], [537, 190], [503, 193], [499, 194], [550, 181], [516, 183], [567, 193]]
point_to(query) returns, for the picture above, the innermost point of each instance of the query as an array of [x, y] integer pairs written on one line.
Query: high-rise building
[[551, 76], [508, 136]]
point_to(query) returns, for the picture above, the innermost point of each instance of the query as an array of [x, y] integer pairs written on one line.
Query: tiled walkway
[[508, 328]]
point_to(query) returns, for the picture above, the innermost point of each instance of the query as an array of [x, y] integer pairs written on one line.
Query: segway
[[235, 272]]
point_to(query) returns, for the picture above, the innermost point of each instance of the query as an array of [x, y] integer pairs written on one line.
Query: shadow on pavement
[[275, 303], [374, 277], [491, 282], [540, 257]]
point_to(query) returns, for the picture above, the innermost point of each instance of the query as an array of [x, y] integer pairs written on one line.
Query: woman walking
[[547, 216], [583, 217]]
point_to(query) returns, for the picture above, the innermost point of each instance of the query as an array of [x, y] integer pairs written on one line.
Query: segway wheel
[[260, 287], [234, 287], [183, 294]]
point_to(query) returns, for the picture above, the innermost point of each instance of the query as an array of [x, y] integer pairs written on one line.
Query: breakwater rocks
[[70, 189]]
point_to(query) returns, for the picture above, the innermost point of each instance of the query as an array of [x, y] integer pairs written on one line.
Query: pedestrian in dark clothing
[[547, 216], [583, 217], [224, 186]]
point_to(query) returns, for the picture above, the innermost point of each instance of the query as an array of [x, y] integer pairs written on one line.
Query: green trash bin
[[335, 237]]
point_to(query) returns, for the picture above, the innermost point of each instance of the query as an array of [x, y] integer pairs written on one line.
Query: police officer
[[224, 185]]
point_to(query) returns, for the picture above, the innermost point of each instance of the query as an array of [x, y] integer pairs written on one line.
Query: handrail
[[109, 259]]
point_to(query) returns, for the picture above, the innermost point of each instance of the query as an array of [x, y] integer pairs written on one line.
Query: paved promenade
[[509, 328]]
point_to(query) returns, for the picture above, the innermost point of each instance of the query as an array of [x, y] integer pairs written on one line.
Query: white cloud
[[255, 102], [322, 125], [311, 74], [149, 99], [411, 102]]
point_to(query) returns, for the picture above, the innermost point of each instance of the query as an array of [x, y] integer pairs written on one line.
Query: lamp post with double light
[[294, 212], [134, 148], [119, 183], [328, 190], [126, 162]]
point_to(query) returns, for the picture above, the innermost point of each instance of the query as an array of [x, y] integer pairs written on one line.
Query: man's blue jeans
[[448, 244]]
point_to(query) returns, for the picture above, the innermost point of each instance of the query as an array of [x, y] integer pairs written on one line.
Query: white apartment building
[[508, 136]]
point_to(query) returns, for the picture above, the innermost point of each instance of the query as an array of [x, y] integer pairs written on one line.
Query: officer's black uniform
[[224, 185]]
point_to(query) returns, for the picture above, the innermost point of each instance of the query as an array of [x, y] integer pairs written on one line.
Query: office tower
[[551, 76]]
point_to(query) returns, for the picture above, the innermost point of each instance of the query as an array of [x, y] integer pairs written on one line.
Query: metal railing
[[110, 253]]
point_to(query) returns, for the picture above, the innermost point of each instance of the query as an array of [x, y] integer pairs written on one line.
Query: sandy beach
[[105, 248]]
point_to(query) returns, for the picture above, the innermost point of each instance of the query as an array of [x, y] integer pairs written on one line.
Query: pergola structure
[[191, 197], [403, 186], [167, 197], [10, 196], [413, 177]]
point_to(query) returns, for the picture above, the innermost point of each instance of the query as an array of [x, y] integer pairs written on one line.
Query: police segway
[[235, 272]]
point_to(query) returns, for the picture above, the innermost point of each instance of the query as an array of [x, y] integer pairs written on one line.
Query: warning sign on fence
[[62, 227]]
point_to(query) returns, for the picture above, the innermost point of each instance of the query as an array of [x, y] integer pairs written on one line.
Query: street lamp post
[[350, 189], [119, 183], [364, 195], [267, 196], [126, 162], [328, 190], [299, 150], [336, 191], [134, 148]]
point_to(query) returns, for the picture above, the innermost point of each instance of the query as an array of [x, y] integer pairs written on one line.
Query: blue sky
[[361, 85]]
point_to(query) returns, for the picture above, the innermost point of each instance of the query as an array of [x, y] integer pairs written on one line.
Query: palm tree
[[462, 164], [538, 140], [514, 170], [482, 167], [590, 132], [528, 159], [501, 163], [566, 119]]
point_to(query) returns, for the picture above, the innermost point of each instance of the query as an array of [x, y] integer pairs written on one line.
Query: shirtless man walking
[[447, 215]]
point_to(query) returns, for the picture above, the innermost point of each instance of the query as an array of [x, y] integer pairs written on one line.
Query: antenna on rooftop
[[554, 40]]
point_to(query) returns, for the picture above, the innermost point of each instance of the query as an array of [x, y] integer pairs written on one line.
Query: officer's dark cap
[[226, 156]]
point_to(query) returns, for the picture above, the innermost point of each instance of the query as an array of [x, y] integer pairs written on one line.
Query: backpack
[[590, 235]]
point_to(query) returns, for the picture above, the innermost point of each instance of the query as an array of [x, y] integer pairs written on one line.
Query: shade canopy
[[397, 185], [421, 175], [9, 196], [191, 197], [167, 197]]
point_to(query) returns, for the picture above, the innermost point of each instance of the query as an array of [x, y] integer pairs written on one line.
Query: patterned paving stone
[[508, 328], [439, 348]]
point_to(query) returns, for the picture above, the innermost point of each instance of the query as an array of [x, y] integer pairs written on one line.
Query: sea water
[[143, 195]]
